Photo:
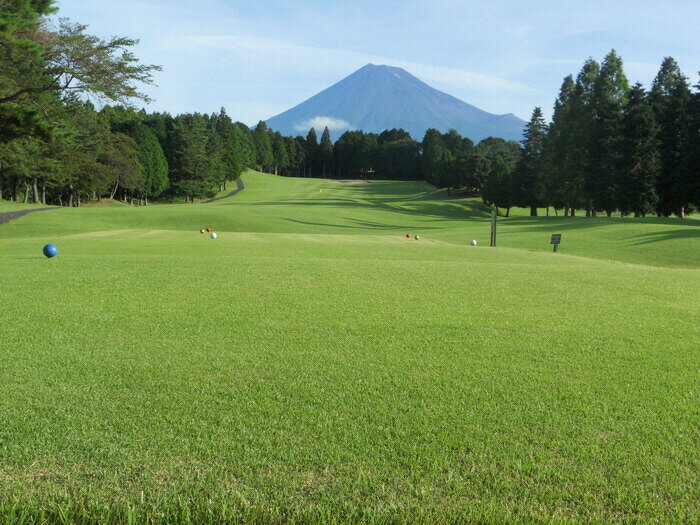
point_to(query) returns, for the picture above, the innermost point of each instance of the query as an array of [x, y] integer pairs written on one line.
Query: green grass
[[312, 364], [284, 205], [6, 206], [106, 203]]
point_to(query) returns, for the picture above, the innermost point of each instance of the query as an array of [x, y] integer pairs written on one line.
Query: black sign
[[556, 238]]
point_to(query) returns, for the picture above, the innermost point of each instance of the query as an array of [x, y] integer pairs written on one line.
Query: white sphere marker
[[214, 235], [473, 243]]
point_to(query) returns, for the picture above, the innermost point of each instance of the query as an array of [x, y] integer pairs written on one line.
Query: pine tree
[[559, 188], [264, 158], [325, 151], [232, 158], [153, 163], [189, 170], [300, 155], [529, 170], [279, 153], [640, 156], [582, 117], [671, 101], [290, 146], [311, 152], [22, 67], [432, 148], [694, 145], [497, 188], [245, 145], [609, 99]]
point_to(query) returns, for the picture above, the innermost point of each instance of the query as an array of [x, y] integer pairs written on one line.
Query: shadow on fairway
[[361, 225], [449, 210], [651, 237], [540, 224]]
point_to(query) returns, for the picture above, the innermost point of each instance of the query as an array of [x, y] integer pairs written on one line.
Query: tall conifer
[[610, 92], [325, 151], [640, 156], [528, 174], [671, 101]]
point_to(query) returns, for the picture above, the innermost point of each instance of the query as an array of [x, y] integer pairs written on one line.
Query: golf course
[[313, 364]]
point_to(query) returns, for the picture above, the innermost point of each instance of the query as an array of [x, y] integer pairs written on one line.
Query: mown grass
[[6, 206], [313, 206], [339, 372]]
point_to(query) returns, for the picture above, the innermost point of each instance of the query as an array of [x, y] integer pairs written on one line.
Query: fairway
[[313, 364]]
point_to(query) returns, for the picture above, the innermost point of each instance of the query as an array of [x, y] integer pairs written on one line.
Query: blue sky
[[259, 58]]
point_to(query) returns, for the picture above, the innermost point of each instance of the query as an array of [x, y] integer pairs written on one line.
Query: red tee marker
[[208, 229], [408, 235]]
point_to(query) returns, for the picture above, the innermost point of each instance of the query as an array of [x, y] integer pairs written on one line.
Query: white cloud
[[320, 122]]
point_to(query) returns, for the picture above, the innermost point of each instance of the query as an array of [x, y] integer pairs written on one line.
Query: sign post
[[556, 239], [494, 214]]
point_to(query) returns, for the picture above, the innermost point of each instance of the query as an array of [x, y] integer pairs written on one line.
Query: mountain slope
[[375, 98]]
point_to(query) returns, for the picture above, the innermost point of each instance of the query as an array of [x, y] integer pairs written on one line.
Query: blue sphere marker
[[50, 250]]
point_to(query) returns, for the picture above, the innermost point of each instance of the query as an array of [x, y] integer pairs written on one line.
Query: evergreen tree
[[397, 155], [583, 119], [457, 145], [558, 146], [311, 152], [473, 171], [325, 151], [432, 149], [153, 163], [640, 156], [444, 172], [672, 104], [367, 154], [493, 147], [279, 153], [398, 159], [609, 99], [22, 66], [694, 145], [39, 64], [190, 169], [245, 145], [497, 188], [215, 168], [231, 156], [529, 170], [300, 155], [264, 158], [292, 157]]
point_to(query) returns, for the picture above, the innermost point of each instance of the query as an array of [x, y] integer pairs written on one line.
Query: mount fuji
[[377, 97]]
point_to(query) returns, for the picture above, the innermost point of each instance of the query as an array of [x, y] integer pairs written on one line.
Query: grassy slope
[[340, 369], [15, 206], [276, 204]]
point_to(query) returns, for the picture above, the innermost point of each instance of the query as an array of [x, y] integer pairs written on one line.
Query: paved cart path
[[239, 187], [10, 215]]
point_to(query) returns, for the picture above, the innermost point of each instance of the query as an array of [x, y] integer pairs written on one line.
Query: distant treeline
[[608, 148]]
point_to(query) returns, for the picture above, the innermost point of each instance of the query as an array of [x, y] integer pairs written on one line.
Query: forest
[[70, 133]]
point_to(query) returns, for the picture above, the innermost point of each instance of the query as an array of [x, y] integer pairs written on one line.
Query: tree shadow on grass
[[537, 224], [651, 237], [361, 225], [452, 210]]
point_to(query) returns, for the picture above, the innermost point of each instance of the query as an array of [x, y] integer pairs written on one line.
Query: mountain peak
[[378, 97]]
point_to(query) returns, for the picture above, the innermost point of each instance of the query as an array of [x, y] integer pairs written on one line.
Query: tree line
[[609, 147]]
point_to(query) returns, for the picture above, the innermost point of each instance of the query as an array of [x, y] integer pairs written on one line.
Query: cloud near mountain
[[321, 122]]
